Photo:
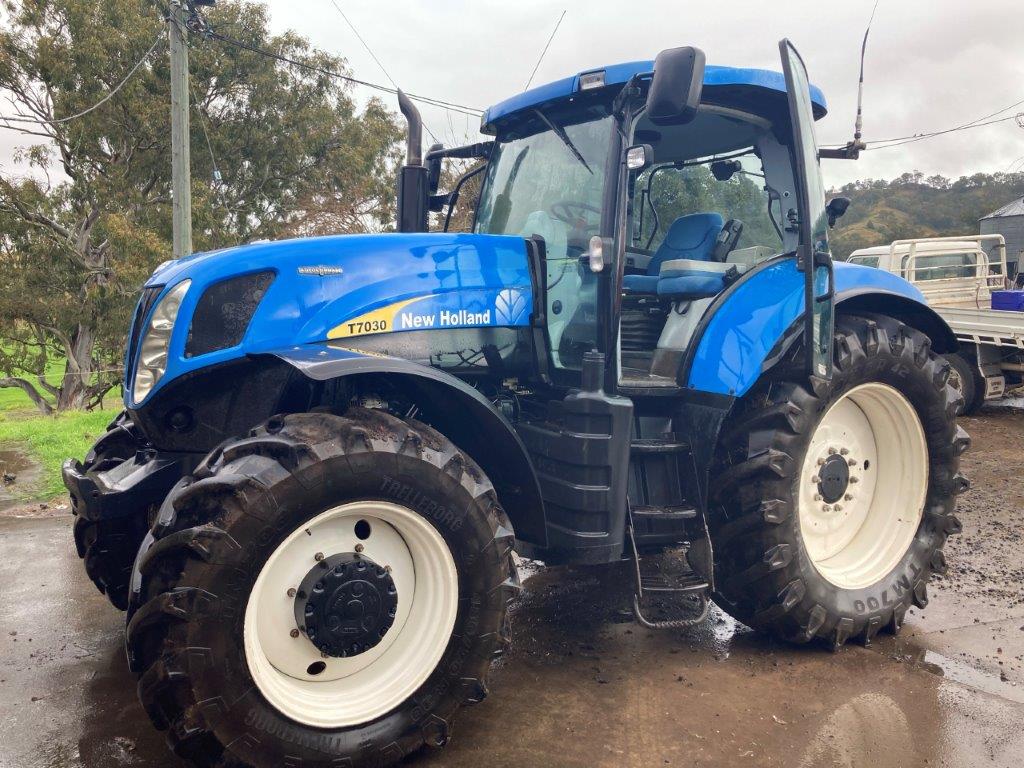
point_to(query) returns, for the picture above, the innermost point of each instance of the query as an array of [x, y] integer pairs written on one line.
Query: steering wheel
[[564, 211]]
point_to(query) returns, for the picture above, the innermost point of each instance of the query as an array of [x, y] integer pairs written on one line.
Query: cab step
[[660, 526], [648, 446], [667, 587]]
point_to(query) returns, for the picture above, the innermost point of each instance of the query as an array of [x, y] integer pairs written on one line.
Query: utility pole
[[181, 173]]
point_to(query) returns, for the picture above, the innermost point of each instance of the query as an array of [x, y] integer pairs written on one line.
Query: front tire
[[831, 508], [325, 592], [108, 547]]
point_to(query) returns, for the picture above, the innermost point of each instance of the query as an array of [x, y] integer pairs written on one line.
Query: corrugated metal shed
[[1008, 221]]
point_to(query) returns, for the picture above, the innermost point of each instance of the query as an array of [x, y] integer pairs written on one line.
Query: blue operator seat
[[690, 237]]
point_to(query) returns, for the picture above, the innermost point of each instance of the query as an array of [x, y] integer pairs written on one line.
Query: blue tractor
[[642, 352]]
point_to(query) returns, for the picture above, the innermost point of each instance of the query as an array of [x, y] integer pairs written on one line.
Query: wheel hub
[[833, 478], [346, 604]]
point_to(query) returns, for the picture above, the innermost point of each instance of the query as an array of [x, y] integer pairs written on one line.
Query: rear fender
[[750, 326], [457, 410]]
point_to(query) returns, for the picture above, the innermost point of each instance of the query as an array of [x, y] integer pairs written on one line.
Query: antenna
[[853, 148], [544, 52]]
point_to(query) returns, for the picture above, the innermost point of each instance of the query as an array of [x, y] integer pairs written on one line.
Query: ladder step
[[657, 445], [655, 514]]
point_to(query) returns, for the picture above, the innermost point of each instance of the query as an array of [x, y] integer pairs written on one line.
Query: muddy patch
[[18, 476]]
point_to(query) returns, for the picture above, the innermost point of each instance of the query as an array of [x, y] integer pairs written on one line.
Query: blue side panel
[[441, 280], [617, 74], [757, 312]]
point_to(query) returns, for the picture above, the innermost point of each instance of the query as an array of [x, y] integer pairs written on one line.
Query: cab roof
[[617, 74]]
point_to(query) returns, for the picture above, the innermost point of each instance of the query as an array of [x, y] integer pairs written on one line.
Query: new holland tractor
[[331, 447]]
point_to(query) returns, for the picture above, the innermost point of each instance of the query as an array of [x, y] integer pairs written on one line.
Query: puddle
[[18, 474], [965, 674]]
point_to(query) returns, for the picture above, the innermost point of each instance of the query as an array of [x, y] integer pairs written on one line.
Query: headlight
[[152, 360]]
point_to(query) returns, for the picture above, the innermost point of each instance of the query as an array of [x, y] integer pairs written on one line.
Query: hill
[[917, 206]]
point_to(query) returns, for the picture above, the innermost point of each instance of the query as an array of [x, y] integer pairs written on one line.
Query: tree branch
[[34, 396]]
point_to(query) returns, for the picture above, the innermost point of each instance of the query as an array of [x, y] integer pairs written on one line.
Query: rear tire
[[108, 547], [785, 450], [967, 380], [206, 640]]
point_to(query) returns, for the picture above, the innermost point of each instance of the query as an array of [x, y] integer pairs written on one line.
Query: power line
[[365, 45], [462, 108], [373, 56], [922, 137], [206, 133], [98, 104], [542, 53], [976, 123]]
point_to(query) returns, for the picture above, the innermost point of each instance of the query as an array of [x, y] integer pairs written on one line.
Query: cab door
[[813, 255]]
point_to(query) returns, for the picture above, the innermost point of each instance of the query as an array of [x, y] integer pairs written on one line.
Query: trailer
[[963, 280]]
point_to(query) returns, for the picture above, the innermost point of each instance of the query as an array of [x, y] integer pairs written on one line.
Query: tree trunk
[[78, 373]]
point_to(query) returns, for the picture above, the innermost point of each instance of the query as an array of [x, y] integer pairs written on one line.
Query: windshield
[[550, 182]]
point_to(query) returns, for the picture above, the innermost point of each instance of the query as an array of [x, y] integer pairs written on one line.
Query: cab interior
[[700, 215]]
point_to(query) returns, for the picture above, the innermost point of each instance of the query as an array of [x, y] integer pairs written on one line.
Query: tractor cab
[[646, 212]]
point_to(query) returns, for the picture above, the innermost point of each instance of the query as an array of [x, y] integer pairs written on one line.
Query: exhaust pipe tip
[[414, 143]]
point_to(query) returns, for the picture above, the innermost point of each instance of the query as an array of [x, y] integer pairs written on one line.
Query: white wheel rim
[[357, 689], [856, 540]]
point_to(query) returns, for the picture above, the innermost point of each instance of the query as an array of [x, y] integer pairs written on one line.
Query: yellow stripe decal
[[378, 321]]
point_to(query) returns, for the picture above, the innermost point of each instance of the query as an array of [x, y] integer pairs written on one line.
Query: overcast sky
[[931, 64]]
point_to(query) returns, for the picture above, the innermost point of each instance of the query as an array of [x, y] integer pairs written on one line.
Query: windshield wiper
[[560, 133]]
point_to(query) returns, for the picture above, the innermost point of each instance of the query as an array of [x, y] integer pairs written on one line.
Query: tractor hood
[[264, 296]]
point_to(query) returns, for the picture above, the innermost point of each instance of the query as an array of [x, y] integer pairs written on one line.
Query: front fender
[[457, 410], [748, 325]]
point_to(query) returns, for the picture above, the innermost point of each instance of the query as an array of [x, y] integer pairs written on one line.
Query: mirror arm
[[851, 151]]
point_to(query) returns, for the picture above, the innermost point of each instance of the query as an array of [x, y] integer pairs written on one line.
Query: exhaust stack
[[412, 203]]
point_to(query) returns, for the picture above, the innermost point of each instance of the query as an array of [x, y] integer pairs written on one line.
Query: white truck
[[958, 276]]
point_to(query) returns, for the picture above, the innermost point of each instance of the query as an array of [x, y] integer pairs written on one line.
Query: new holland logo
[[320, 270]]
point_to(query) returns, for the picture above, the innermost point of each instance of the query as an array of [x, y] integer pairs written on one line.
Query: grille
[[146, 302], [224, 311]]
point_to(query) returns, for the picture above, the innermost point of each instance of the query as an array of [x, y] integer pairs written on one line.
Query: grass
[[51, 439]]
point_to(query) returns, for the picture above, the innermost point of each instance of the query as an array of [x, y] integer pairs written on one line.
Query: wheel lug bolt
[[826, 508], [291, 592], [844, 451], [831, 451], [821, 462], [318, 556], [854, 480], [851, 462], [848, 497], [359, 547], [294, 633], [838, 508], [817, 497]]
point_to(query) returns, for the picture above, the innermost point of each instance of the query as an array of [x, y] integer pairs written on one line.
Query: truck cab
[[965, 279], [949, 271]]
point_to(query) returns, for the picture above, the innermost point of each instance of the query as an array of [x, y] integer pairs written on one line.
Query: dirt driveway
[[584, 686]]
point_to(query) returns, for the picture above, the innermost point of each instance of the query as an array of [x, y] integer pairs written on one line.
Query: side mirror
[[434, 168], [836, 208], [639, 156], [674, 96], [723, 170]]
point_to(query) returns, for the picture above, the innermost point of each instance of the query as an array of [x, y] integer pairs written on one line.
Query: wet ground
[[584, 686]]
